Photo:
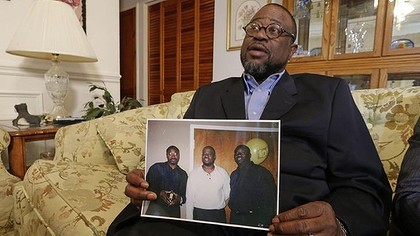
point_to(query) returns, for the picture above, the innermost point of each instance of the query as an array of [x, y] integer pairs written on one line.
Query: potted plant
[[105, 105]]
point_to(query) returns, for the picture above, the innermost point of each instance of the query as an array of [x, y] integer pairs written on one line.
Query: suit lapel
[[233, 100], [281, 100]]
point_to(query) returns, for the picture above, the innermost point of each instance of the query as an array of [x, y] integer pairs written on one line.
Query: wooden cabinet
[[370, 43]]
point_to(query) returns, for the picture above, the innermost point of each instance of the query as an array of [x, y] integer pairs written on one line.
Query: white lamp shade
[[52, 27]]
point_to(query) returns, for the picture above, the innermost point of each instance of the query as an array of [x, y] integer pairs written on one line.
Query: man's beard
[[261, 72]]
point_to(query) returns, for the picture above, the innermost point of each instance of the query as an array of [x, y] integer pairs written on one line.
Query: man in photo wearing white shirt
[[208, 190]]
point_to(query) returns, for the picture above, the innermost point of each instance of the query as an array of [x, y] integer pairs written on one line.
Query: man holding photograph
[[331, 178]]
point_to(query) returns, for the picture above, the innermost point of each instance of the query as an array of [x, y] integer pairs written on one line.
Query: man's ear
[[293, 48]]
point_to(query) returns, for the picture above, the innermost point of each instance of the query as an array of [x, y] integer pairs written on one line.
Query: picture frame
[[239, 14], [81, 13], [191, 136]]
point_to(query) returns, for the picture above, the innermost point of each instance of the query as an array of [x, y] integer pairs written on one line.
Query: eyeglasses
[[272, 30]]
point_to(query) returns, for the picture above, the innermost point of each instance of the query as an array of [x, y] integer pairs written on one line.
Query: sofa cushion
[[179, 104], [70, 198], [125, 134], [126, 142], [390, 115]]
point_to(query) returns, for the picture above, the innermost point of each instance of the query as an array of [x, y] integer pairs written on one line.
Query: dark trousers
[[250, 218], [218, 216], [129, 223]]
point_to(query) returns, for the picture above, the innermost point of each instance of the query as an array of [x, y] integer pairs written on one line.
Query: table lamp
[[52, 31]]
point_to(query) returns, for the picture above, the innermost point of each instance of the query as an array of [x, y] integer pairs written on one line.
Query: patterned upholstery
[[6, 184], [81, 191], [390, 115]]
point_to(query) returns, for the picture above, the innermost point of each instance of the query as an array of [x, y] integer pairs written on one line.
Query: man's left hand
[[314, 218]]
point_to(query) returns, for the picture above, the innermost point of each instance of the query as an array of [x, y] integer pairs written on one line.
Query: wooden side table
[[18, 138]]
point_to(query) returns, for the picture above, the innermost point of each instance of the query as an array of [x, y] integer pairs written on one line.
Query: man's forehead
[[268, 19]]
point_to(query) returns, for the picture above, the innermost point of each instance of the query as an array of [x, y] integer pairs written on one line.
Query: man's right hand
[[136, 188]]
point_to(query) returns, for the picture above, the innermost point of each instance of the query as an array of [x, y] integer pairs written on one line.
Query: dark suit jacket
[[326, 151], [406, 212]]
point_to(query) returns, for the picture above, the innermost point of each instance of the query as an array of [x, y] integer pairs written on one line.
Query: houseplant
[[105, 105]]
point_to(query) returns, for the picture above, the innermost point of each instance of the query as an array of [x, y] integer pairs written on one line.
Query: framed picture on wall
[[239, 14], [81, 13], [189, 162]]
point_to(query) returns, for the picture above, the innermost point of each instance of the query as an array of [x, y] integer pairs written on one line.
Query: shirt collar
[[268, 84]]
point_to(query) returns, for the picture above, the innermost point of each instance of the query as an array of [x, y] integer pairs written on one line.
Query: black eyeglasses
[[272, 30]]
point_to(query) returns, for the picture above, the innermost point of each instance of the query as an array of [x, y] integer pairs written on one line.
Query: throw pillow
[[125, 139]]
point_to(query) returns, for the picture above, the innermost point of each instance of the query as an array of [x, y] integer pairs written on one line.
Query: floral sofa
[[80, 192], [6, 186]]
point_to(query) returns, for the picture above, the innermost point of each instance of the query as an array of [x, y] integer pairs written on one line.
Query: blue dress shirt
[[257, 95]]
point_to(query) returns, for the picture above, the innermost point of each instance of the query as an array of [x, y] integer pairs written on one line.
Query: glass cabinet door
[[309, 15], [356, 28], [363, 79], [356, 82], [402, 79], [402, 34]]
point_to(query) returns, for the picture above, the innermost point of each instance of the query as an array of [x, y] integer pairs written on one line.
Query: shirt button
[[254, 113]]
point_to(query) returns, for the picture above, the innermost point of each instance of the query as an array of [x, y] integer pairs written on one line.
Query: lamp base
[[57, 112], [56, 83]]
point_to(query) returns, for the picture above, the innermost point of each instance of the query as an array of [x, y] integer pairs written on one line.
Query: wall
[[22, 78], [225, 63]]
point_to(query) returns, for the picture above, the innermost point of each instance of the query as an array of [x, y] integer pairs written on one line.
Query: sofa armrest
[[4, 174], [4, 139], [6, 186]]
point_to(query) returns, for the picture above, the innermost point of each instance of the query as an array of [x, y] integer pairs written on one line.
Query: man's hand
[[316, 218], [136, 188]]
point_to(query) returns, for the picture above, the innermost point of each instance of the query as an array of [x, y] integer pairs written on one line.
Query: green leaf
[[105, 105]]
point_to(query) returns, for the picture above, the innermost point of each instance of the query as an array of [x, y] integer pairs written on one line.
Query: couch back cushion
[[390, 115], [125, 134], [179, 104]]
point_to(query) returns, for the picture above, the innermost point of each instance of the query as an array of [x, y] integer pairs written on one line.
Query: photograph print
[[222, 172]]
